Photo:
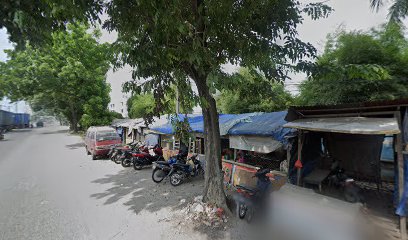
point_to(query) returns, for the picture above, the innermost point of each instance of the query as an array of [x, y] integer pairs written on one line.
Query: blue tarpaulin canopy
[[167, 128], [255, 124], [266, 124]]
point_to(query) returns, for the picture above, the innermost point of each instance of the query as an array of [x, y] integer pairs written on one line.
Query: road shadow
[[76, 145], [56, 132], [143, 194], [20, 130]]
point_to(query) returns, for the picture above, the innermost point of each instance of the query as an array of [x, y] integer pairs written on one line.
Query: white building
[[118, 98]]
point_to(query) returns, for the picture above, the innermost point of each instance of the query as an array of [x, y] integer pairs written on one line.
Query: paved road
[[50, 189]]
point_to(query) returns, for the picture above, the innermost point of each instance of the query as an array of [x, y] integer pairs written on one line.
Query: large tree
[[359, 66], [250, 91], [172, 42], [66, 76]]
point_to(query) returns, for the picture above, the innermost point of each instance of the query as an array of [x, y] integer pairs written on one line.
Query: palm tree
[[397, 11]]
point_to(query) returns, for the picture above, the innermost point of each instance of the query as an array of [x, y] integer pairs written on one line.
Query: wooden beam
[[400, 159], [288, 156]]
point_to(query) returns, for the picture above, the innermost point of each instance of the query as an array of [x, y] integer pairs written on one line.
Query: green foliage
[[358, 67], [397, 11], [252, 92], [169, 43], [143, 105], [95, 112], [34, 20], [140, 106], [181, 128], [66, 77], [116, 115]]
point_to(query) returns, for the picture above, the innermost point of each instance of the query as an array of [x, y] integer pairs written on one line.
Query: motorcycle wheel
[[137, 164], [116, 159], [158, 175], [242, 210], [176, 179], [125, 162]]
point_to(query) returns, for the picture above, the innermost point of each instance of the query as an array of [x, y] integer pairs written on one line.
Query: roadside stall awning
[[196, 122], [254, 143], [351, 125]]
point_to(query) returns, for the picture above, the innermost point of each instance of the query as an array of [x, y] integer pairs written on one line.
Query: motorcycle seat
[[162, 163], [181, 165]]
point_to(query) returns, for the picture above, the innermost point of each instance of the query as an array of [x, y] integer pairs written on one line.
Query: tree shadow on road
[[20, 130], [141, 193], [144, 193], [75, 145], [56, 132]]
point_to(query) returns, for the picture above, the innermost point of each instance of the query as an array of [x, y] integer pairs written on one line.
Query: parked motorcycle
[[351, 192], [251, 200], [115, 153], [181, 171], [145, 158], [162, 169], [2, 134], [127, 156]]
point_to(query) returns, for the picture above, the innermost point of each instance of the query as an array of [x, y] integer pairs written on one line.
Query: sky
[[350, 14]]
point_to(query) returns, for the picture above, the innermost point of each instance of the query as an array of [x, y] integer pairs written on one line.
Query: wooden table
[[316, 177]]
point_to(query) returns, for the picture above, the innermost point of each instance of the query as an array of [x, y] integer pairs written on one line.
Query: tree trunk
[[74, 119], [214, 185]]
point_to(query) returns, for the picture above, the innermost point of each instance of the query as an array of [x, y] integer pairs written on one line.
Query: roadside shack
[[248, 141], [348, 139], [258, 141]]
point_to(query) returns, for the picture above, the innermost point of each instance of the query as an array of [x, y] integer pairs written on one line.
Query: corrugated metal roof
[[352, 125], [296, 112], [380, 104]]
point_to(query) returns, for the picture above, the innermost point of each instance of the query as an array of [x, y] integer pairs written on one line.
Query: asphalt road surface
[[50, 189]]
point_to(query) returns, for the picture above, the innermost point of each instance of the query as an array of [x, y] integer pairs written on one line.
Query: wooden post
[[400, 159], [124, 135], [300, 146], [235, 154], [288, 156]]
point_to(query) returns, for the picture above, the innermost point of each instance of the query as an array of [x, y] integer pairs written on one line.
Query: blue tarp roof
[[193, 120], [196, 122], [266, 124], [260, 124]]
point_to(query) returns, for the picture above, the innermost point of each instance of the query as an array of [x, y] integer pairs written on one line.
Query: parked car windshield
[[107, 135]]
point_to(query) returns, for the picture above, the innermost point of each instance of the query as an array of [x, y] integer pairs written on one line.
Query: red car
[[99, 140]]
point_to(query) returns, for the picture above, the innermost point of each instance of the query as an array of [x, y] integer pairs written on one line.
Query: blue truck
[[6, 120], [21, 120]]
